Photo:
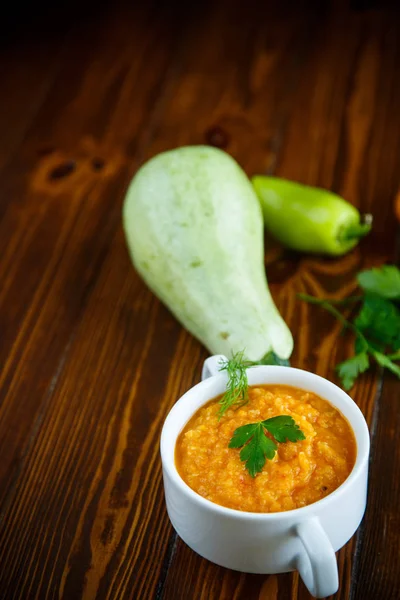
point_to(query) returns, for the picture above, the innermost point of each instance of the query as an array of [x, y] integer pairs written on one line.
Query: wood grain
[[90, 362], [46, 275], [381, 525]]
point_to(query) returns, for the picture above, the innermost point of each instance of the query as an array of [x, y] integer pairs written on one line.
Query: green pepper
[[309, 219]]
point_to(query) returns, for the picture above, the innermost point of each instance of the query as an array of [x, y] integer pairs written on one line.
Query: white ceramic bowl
[[304, 539]]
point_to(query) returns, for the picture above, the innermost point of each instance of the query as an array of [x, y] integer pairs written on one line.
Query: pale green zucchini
[[194, 229]]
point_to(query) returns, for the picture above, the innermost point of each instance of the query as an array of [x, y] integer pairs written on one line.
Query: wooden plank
[[378, 549], [95, 469], [28, 66], [118, 127], [60, 208]]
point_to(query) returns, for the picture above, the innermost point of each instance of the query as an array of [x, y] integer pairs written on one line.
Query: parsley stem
[[327, 305], [348, 300], [315, 300]]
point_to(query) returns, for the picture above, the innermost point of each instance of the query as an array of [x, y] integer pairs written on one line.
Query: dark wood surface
[[90, 362]]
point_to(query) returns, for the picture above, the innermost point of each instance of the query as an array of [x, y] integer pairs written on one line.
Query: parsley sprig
[[376, 326], [257, 446], [236, 393]]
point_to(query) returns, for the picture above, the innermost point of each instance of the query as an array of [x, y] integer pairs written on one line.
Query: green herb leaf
[[255, 453], [241, 435], [379, 320], [350, 369], [272, 359], [377, 326], [257, 446], [385, 361], [383, 281], [361, 344], [284, 428]]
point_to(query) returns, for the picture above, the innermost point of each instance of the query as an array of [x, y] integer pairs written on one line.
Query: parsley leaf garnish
[[257, 446], [383, 281]]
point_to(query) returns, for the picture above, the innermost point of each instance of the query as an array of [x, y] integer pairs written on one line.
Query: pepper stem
[[355, 232]]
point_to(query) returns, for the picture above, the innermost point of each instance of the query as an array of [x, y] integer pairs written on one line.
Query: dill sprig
[[236, 393]]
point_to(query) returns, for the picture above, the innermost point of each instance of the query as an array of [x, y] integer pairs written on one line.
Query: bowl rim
[[361, 436]]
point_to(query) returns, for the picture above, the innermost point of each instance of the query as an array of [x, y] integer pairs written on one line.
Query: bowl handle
[[212, 366], [317, 563]]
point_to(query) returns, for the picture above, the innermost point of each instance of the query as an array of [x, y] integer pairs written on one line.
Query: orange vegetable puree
[[301, 473]]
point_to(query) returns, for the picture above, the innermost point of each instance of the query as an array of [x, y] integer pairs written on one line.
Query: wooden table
[[90, 361]]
